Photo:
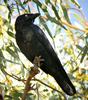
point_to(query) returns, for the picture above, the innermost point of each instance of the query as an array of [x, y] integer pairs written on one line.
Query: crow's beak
[[36, 15]]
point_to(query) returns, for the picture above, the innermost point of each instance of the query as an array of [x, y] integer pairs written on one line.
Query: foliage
[[57, 20]]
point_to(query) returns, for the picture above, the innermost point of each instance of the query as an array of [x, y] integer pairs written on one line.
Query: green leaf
[[22, 70], [58, 30], [45, 90], [42, 6], [2, 61], [26, 1], [52, 19], [19, 2], [11, 52], [30, 96], [16, 95], [79, 47], [84, 53], [47, 1], [11, 34], [46, 27], [55, 11], [1, 54], [29, 8], [7, 97], [65, 13], [76, 3]]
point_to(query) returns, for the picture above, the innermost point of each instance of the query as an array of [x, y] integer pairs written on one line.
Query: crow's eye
[[26, 16]]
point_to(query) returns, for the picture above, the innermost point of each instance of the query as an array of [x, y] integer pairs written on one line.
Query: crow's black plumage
[[33, 42]]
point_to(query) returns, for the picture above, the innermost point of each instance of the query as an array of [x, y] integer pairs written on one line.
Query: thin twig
[[37, 90], [72, 26], [27, 83], [82, 15], [63, 22], [50, 87]]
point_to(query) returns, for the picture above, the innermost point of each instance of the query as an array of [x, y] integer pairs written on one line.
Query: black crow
[[33, 43]]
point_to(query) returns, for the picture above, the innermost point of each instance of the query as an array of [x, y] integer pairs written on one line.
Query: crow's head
[[25, 18]]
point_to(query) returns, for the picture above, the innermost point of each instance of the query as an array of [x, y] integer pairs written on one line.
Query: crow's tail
[[63, 80]]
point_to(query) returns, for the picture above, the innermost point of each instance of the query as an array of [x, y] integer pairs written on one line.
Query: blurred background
[[66, 25]]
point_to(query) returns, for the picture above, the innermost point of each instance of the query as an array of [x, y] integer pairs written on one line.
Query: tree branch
[[28, 87]]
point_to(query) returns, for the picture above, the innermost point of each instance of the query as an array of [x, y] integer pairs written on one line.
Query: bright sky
[[84, 6]]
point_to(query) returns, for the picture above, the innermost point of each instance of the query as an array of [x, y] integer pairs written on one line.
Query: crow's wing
[[45, 42]]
